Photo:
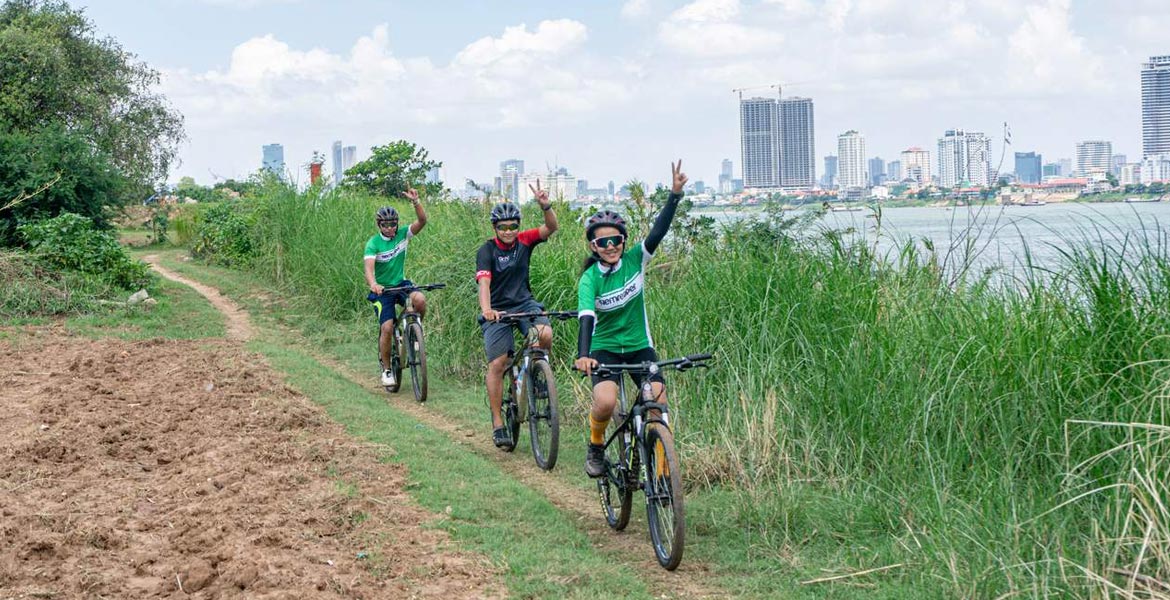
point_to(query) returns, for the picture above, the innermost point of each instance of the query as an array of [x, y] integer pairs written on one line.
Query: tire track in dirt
[[239, 325], [690, 580]]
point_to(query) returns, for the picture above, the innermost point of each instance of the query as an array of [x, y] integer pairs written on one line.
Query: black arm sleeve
[[584, 335], [661, 224]]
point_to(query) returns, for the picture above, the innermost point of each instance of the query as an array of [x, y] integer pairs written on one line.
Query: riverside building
[[1156, 106]]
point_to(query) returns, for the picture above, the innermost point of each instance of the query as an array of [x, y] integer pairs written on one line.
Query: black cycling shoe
[[595, 460], [500, 437]]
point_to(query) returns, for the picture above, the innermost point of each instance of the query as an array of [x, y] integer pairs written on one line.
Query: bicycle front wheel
[[416, 357], [615, 487], [544, 421], [664, 496], [395, 359]]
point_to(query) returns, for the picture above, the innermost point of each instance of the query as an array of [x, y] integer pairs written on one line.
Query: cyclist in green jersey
[[385, 257], [611, 308]]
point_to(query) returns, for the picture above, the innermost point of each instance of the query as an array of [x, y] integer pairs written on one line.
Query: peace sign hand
[[411, 194], [540, 195], [679, 178]]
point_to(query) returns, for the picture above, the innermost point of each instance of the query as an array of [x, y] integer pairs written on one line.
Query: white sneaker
[[388, 377]]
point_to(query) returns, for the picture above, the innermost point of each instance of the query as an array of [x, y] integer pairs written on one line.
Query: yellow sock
[[597, 430]]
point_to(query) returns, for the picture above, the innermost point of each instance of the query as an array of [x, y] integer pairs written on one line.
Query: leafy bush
[[224, 234], [72, 242]]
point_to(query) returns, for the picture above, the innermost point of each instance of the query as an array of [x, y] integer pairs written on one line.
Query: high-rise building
[[916, 165], [964, 158], [759, 135], [1028, 168], [851, 160], [560, 185], [877, 171], [433, 175], [829, 180], [348, 159], [1156, 106], [1066, 167], [338, 169], [1115, 164], [894, 171], [610, 188], [798, 156], [725, 177], [1131, 174], [582, 188], [511, 172], [274, 159], [1052, 170], [1093, 156], [1155, 168]]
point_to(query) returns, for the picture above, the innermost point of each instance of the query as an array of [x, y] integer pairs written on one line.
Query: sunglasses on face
[[507, 226], [609, 241], [387, 223]]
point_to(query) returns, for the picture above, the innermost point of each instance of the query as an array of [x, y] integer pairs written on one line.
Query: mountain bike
[[407, 347], [640, 454], [530, 392]]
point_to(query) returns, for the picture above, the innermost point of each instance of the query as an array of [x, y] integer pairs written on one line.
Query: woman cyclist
[[611, 308]]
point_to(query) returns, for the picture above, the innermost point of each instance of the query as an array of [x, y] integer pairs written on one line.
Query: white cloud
[[549, 38], [707, 11], [634, 9]]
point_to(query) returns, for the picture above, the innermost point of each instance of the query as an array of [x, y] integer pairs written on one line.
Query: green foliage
[[224, 234], [71, 242], [80, 127], [392, 169]]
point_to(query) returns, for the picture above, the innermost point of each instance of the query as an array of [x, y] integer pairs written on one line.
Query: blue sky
[[615, 90]]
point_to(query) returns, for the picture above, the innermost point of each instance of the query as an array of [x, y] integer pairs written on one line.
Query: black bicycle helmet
[[605, 218], [387, 213], [505, 211]]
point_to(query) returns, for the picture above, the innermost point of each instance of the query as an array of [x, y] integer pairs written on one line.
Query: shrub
[[224, 234], [72, 242]]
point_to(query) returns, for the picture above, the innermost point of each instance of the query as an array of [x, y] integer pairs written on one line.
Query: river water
[[995, 237]]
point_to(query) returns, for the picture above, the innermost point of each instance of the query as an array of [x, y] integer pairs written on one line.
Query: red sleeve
[[530, 237]]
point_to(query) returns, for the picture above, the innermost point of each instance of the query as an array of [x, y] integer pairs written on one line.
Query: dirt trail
[[176, 469], [239, 326], [690, 580]]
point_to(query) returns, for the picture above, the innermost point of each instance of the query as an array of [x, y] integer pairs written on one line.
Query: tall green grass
[[934, 416]]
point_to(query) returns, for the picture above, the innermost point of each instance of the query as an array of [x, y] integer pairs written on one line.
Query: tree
[[66, 88], [393, 168]]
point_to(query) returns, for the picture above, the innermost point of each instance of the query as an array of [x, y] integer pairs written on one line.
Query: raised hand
[[678, 177], [540, 195], [411, 194]]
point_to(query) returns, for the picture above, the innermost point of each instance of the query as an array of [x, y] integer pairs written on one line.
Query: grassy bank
[[986, 440]]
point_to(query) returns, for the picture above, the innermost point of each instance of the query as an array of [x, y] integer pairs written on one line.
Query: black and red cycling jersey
[[507, 268]]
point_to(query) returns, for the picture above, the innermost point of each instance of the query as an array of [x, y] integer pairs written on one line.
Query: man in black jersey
[[501, 271]]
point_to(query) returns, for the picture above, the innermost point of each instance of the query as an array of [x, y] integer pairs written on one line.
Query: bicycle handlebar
[[517, 317], [411, 288], [679, 364]]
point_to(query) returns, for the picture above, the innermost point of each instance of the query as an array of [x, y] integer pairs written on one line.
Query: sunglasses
[[507, 227], [387, 223], [609, 241]]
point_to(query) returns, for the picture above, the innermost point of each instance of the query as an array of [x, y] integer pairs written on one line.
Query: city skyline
[[609, 76]]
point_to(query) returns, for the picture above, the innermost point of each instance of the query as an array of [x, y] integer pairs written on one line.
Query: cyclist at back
[[384, 258], [611, 308], [501, 272]]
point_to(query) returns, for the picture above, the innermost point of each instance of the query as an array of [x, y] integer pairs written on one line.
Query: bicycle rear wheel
[[395, 361], [416, 357], [664, 496], [508, 412], [544, 421], [615, 488]]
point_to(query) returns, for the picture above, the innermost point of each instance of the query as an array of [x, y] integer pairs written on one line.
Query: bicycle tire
[[615, 488], [416, 354], [544, 420], [664, 497], [508, 413]]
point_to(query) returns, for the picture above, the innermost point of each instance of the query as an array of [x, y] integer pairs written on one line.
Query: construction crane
[[741, 90]]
